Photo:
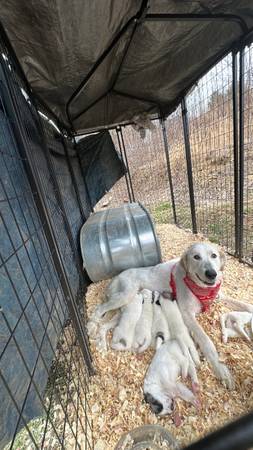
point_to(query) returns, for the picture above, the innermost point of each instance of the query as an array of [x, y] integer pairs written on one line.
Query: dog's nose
[[211, 274], [156, 407]]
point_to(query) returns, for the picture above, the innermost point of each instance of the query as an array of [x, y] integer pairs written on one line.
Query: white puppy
[[161, 385], [178, 328], [124, 332], [233, 323], [101, 338], [160, 329], [142, 337]]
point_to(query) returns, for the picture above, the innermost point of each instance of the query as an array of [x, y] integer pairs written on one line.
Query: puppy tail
[[186, 394]]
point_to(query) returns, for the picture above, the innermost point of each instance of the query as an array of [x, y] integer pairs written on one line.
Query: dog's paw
[[143, 347], [137, 345], [146, 295], [188, 348], [197, 404], [223, 373], [195, 387], [141, 343], [224, 338], [119, 346], [177, 419]]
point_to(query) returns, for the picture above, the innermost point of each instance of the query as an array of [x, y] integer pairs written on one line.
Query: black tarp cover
[[101, 164], [59, 42]]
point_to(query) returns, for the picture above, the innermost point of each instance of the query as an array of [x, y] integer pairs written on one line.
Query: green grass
[[216, 228], [161, 213], [56, 381], [23, 440], [217, 231]]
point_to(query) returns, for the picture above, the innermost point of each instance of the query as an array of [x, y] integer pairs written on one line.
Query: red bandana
[[205, 295]]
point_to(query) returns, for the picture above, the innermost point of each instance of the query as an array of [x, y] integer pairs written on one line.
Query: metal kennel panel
[[210, 115], [178, 165], [43, 346]]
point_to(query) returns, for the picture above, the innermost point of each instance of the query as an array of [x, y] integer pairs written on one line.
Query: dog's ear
[[184, 262], [222, 259]]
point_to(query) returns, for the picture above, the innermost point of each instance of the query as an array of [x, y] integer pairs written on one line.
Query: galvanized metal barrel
[[117, 239]]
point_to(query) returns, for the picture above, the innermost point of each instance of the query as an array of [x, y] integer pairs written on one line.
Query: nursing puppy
[[143, 336], [101, 337], [124, 332], [177, 328], [194, 280], [161, 385], [160, 328]]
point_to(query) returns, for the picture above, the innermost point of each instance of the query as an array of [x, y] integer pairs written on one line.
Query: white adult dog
[[194, 280]]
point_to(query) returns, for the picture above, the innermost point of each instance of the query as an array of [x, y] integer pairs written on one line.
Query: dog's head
[[160, 403], [204, 263]]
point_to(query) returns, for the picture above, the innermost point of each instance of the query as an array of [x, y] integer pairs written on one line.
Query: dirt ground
[[115, 395]]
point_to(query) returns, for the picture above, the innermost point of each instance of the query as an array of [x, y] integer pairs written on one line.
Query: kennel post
[[84, 181], [73, 178], [189, 164], [236, 150], [241, 152], [121, 154], [125, 160], [166, 150]]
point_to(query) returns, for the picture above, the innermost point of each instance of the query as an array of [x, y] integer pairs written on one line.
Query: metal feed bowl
[[148, 437]]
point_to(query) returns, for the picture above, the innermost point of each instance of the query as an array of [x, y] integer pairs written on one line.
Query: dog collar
[[205, 295]]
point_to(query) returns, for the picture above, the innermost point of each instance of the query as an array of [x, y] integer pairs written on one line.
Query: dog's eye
[[196, 257], [214, 255]]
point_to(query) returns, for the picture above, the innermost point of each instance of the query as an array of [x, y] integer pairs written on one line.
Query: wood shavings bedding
[[116, 397]]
